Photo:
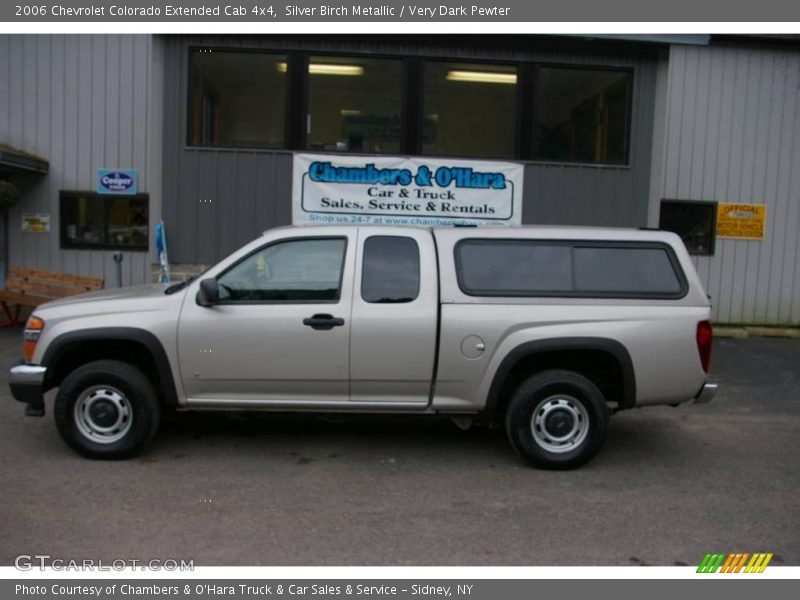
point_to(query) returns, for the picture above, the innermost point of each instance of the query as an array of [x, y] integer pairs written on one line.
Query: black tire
[[568, 403], [129, 398]]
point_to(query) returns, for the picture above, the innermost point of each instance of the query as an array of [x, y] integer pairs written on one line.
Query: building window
[[237, 99], [406, 105], [91, 221], [469, 109], [354, 104], [582, 115], [695, 222]]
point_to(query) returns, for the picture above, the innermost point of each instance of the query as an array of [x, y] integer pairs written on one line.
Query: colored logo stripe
[[727, 566], [741, 562], [758, 563], [711, 563], [734, 562]]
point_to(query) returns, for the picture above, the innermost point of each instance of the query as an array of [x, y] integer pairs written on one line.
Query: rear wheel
[[557, 419], [107, 409]]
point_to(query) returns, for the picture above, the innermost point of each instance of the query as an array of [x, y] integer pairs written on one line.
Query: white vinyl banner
[[391, 190]]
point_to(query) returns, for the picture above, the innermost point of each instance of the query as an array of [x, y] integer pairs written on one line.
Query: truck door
[[395, 316], [279, 333]]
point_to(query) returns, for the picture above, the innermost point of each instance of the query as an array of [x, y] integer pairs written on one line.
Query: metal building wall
[[217, 199], [83, 102], [732, 134]]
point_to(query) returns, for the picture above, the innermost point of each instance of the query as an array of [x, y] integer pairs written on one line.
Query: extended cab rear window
[[535, 268], [391, 270]]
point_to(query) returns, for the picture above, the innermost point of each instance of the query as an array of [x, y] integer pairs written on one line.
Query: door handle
[[323, 322]]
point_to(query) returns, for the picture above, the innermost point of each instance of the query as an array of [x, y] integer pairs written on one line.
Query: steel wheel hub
[[559, 423], [103, 414]]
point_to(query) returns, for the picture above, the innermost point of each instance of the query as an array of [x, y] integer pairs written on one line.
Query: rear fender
[[566, 344]]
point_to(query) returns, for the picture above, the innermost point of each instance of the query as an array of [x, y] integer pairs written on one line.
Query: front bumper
[[27, 385], [706, 393]]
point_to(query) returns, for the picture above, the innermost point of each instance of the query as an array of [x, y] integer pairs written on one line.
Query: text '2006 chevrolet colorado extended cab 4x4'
[[550, 329]]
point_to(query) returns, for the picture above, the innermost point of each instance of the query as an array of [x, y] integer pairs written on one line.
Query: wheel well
[[75, 354], [599, 366]]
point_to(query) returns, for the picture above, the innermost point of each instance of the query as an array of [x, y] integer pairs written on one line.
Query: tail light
[[33, 329], [704, 337]]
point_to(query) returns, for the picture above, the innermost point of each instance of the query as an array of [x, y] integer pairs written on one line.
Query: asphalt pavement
[[670, 485]]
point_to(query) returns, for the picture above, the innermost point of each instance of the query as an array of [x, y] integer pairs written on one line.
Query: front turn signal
[[33, 330]]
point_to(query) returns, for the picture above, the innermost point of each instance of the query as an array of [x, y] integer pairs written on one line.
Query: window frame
[[519, 106], [288, 113], [573, 244], [710, 204], [300, 238], [535, 86], [64, 244], [363, 270], [403, 61], [296, 99]]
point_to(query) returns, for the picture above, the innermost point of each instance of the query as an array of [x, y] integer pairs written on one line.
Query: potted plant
[[9, 194]]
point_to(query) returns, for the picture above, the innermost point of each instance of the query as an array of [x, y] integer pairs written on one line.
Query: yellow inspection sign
[[743, 221], [36, 223]]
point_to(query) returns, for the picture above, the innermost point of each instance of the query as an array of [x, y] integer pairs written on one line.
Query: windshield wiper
[[176, 287]]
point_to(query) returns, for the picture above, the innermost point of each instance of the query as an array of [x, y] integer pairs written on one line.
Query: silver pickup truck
[[549, 329]]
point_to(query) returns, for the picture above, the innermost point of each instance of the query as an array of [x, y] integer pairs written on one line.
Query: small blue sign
[[116, 181]]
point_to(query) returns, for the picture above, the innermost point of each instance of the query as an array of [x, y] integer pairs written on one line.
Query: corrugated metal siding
[[251, 189], [83, 103], [732, 134]]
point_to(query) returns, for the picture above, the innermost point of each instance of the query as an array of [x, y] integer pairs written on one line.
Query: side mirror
[[208, 294]]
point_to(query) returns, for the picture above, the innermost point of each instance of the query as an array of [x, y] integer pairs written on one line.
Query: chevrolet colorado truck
[[546, 329]]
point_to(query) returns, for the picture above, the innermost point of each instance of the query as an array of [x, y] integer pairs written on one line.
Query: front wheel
[[106, 409], [557, 419]]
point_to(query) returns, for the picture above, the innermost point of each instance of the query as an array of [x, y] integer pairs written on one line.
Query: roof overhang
[[19, 162], [672, 39]]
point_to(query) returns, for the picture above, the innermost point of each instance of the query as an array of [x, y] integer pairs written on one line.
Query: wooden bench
[[32, 287]]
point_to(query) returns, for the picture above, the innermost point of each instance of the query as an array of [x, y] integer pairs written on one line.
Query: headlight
[[33, 330]]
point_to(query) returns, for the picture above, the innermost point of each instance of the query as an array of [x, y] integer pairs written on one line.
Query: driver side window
[[304, 270]]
